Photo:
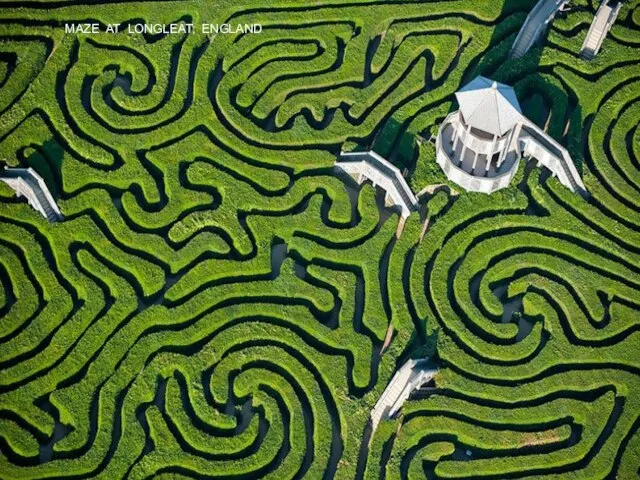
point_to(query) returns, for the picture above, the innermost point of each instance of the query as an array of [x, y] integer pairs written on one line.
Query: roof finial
[[494, 85]]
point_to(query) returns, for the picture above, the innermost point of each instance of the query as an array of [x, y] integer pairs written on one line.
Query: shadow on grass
[[46, 160], [396, 145]]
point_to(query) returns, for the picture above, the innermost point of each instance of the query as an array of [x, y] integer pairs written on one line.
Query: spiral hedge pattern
[[215, 303]]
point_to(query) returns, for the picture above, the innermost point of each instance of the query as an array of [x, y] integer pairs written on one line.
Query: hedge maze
[[215, 303]]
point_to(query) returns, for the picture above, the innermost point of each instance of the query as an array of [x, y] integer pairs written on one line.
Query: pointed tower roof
[[489, 106]]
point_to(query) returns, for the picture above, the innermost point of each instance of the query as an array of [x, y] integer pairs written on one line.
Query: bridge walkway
[[535, 25], [602, 23]]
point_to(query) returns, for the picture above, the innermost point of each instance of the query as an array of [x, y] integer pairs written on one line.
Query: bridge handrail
[[538, 6], [560, 152], [388, 170], [612, 14], [31, 178]]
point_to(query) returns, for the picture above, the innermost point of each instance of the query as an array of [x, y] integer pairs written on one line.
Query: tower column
[[464, 145], [456, 133], [503, 153], [493, 145]]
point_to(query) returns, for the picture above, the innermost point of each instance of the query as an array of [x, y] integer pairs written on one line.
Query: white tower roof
[[489, 106]]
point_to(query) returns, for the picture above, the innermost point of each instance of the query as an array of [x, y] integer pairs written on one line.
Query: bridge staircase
[[27, 183], [410, 377], [602, 23], [535, 25]]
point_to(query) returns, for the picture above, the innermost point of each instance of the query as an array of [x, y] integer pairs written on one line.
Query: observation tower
[[480, 145]]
